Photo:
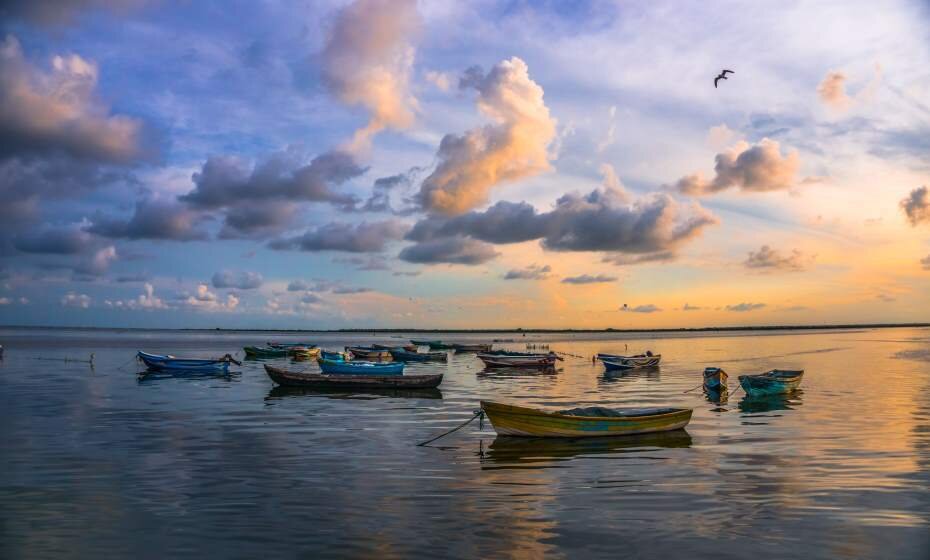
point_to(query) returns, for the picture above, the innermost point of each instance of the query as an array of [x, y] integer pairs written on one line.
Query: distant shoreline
[[504, 331]]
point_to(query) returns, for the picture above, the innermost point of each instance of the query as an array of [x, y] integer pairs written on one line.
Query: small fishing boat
[[774, 382], [639, 360], [332, 356], [368, 353], [715, 379], [166, 363], [337, 367], [272, 344], [264, 352], [359, 382], [400, 355], [385, 346], [504, 358], [303, 352], [510, 420], [471, 347]]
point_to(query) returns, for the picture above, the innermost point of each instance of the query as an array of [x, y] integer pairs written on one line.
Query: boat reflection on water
[[542, 452], [717, 396], [281, 392], [648, 373], [149, 377], [753, 405], [511, 372]]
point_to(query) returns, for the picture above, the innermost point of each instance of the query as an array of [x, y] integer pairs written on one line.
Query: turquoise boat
[[774, 382], [332, 356], [336, 367]]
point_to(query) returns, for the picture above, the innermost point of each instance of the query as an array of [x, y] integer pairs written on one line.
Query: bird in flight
[[722, 76]]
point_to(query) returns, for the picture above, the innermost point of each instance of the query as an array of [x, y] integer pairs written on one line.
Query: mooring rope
[[477, 414]]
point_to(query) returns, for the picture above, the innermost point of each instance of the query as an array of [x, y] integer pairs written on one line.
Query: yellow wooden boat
[[510, 420], [304, 353]]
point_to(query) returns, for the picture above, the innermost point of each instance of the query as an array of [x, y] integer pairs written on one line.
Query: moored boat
[[337, 367], [511, 420], [273, 344], [337, 356], [471, 347], [616, 365], [715, 379], [773, 382], [503, 358], [264, 352], [368, 353], [304, 353], [359, 382], [165, 363], [639, 360], [401, 355], [433, 344]]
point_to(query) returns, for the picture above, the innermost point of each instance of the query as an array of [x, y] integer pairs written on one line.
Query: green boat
[[265, 352], [774, 382]]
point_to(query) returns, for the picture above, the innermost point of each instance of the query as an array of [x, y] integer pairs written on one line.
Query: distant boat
[[715, 379], [368, 353], [401, 355], [639, 360], [337, 356], [774, 382], [616, 365], [480, 347], [264, 352], [338, 367], [503, 358], [352, 382], [510, 420], [272, 344], [165, 363]]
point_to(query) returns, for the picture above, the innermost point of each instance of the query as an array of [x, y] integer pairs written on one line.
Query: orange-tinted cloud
[[754, 168]]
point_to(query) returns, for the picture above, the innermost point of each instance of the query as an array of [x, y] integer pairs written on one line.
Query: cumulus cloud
[[769, 259], [298, 286], [243, 280], [73, 299], [360, 238], [57, 112], [589, 279], [646, 308], [743, 307], [450, 250], [152, 219], [442, 80], [602, 220], [832, 90], [367, 61], [380, 198], [916, 206], [99, 262], [146, 300], [204, 299], [514, 146], [532, 272], [751, 168]]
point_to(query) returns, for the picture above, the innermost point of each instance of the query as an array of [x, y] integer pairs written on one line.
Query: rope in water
[[90, 361], [477, 414]]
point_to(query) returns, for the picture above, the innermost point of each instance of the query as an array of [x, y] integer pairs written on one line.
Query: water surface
[[98, 462]]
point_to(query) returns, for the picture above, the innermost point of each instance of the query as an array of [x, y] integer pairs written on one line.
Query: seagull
[[722, 76]]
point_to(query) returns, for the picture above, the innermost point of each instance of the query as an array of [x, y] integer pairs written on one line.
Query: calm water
[[100, 463]]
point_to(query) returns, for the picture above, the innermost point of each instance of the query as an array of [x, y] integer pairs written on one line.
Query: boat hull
[[258, 352], [334, 367], [471, 347], [529, 361], [509, 420], [775, 382], [155, 362], [715, 379], [405, 356], [610, 365], [635, 361], [368, 353], [349, 382]]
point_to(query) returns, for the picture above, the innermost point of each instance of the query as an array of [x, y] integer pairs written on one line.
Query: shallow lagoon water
[[101, 463]]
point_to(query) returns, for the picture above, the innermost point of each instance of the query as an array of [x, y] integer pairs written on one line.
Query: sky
[[487, 164]]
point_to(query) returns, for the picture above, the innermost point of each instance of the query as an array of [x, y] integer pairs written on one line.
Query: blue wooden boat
[[715, 379], [402, 355], [774, 382], [288, 345], [616, 365], [335, 367], [332, 356], [158, 362]]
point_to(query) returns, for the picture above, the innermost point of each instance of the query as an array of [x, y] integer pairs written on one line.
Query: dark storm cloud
[[450, 250], [243, 280], [589, 279], [360, 238], [55, 242], [152, 220], [228, 181], [257, 219], [916, 206]]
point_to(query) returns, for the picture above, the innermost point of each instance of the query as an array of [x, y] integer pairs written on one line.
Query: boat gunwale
[[530, 411]]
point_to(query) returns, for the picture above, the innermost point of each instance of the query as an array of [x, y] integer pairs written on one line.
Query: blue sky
[[418, 164]]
